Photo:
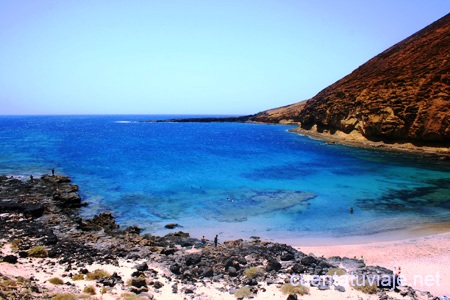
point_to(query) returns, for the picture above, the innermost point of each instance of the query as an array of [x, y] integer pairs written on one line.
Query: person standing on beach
[[53, 172], [215, 240]]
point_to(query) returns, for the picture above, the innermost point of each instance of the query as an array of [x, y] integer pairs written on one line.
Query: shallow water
[[233, 179]]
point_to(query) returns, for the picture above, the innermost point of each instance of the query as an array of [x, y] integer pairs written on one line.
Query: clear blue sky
[[188, 57]]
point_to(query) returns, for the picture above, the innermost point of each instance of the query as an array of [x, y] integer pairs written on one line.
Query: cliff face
[[401, 95]]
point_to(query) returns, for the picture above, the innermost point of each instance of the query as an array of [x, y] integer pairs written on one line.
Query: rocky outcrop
[[31, 198], [401, 95], [103, 221]]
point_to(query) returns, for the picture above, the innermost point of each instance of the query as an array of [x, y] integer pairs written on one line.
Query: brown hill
[[401, 95]]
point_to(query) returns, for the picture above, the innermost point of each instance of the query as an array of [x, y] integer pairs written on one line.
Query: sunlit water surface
[[235, 180]]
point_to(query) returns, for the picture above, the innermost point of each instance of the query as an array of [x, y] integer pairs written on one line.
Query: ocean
[[232, 179]]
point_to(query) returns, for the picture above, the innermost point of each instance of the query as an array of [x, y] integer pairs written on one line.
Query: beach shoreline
[[419, 231], [418, 257]]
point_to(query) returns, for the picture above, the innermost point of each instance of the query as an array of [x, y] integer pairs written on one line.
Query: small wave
[[125, 122]]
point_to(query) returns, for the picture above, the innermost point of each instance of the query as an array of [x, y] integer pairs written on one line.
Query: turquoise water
[[232, 179]]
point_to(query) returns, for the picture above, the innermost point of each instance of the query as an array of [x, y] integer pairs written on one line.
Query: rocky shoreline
[[42, 233], [356, 140]]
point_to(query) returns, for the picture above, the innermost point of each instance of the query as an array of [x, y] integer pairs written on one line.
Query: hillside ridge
[[402, 95]]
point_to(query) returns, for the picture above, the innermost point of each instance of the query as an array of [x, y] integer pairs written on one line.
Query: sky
[[190, 57]]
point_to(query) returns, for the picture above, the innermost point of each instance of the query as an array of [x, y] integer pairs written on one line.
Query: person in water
[[351, 210]]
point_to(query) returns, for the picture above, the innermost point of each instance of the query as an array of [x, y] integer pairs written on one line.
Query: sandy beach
[[426, 257]]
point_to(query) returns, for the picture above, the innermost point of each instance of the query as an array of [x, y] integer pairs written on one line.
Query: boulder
[[175, 269], [68, 199], [193, 259], [11, 259], [352, 263], [138, 282], [298, 269], [309, 261], [142, 267], [232, 272], [273, 265], [133, 230], [158, 284], [169, 251], [339, 288], [104, 221], [208, 272], [287, 256], [292, 297]]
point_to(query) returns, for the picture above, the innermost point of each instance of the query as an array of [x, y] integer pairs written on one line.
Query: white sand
[[426, 258]]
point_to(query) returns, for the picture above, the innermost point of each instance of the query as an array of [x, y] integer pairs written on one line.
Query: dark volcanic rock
[[23, 254], [273, 265], [298, 269], [34, 210], [142, 267], [133, 229], [193, 259], [175, 269], [169, 251], [309, 261], [56, 179], [208, 272], [49, 237], [292, 297], [171, 226], [232, 271], [287, 256], [138, 282], [158, 284], [207, 120], [111, 281], [11, 259], [101, 221]]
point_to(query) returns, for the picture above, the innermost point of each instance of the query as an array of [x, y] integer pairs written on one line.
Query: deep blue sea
[[235, 180]]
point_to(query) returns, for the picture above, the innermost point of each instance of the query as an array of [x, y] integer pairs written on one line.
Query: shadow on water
[[436, 194]]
